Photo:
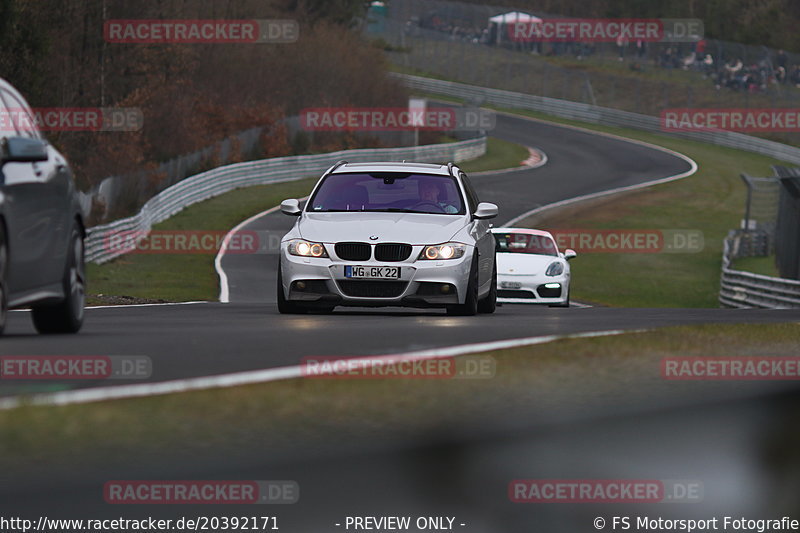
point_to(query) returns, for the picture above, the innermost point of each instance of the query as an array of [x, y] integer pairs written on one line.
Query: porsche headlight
[[438, 252], [306, 248], [556, 268]]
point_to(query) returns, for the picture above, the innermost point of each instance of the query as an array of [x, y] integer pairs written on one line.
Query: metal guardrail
[[224, 179], [597, 115], [747, 290]]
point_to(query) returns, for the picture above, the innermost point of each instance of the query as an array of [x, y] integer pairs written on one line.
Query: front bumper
[[322, 281], [532, 289]]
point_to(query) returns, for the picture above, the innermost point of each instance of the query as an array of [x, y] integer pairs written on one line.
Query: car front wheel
[[489, 304]]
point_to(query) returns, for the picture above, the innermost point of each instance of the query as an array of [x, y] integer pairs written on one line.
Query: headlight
[[450, 250], [307, 249], [556, 268]]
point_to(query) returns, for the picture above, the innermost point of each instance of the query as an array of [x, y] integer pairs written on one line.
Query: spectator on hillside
[[734, 66], [670, 58], [780, 75], [794, 76], [641, 49], [622, 43], [689, 61], [782, 59], [700, 49], [707, 65]]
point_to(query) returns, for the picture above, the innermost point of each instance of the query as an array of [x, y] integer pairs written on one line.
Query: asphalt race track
[[210, 339], [205, 339]]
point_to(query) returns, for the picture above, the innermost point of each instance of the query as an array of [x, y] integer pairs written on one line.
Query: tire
[[470, 305], [285, 307], [67, 315], [3, 283], [489, 304]]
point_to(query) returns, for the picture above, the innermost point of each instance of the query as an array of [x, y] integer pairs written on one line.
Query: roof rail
[[450, 169], [335, 166]]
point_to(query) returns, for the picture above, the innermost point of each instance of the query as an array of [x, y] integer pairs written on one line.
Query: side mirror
[[22, 150], [569, 253], [485, 210], [291, 207]]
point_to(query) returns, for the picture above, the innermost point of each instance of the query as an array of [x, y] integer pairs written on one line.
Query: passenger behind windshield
[[430, 193]]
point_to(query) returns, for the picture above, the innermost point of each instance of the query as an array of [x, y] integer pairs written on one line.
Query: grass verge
[[185, 277], [757, 265], [500, 155]]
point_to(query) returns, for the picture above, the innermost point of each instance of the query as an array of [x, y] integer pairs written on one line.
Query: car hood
[[523, 264], [412, 228]]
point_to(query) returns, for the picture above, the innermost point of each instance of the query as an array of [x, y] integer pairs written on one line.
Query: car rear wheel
[[489, 304], [285, 307], [3, 285], [470, 305], [67, 315]]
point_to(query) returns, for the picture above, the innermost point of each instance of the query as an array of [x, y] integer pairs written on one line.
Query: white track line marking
[[251, 377], [123, 306], [165, 304], [224, 290]]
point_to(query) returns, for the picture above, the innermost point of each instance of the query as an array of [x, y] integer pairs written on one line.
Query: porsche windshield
[[388, 192], [525, 243]]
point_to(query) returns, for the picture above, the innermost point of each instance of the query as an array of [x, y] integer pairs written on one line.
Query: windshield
[[388, 192], [525, 243]]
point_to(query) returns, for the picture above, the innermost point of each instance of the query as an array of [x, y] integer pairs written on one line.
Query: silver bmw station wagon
[[389, 234]]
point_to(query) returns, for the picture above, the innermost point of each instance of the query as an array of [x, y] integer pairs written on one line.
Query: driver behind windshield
[[429, 192]]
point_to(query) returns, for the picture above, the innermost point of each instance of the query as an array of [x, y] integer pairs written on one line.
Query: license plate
[[372, 272], [510, 284]]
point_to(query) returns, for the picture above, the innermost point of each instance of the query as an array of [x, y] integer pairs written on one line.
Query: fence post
[[749, 200]]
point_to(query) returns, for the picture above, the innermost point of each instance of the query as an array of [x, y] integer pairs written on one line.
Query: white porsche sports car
[[530, 269], [389, 234]]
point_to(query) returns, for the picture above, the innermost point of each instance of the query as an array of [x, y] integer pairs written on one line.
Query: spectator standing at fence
[[794, 75], [782, 61], [641, 48], [667, 58], [700, 49], [708, 65], [622, 43], [780, 75]]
